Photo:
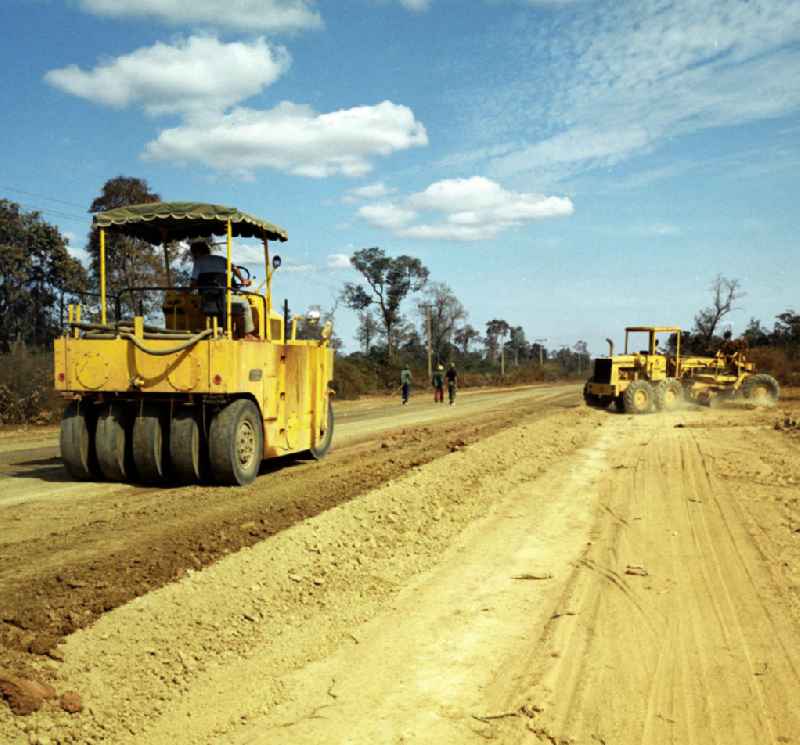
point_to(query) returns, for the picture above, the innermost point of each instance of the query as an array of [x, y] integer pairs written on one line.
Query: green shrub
[[26, 387]]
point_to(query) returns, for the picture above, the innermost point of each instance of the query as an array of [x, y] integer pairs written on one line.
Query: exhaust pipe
[[610, 347]]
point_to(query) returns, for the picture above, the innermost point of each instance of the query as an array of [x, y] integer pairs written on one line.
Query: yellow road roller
[[184, 395]]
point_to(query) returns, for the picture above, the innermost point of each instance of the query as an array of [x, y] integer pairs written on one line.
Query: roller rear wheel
[[77, 441], [187, 447], [325, 436], [236, 443], [114, 443], [150, 443]]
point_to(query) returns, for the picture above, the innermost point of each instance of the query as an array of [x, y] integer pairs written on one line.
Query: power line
[[40, 196]]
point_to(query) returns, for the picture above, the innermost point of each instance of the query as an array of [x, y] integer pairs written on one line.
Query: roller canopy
[[160, 222]]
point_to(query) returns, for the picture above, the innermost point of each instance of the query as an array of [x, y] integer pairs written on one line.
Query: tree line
[[38, 277], [439, 322]]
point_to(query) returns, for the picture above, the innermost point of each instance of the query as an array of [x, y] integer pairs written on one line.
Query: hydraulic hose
[[171, 350]]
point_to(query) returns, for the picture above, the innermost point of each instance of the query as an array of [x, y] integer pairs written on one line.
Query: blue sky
[[571, 166]]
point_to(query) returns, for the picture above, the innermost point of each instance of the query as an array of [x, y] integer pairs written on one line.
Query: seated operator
[[210, 270]]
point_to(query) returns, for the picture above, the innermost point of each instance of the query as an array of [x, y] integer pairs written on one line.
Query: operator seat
[[211, 286]]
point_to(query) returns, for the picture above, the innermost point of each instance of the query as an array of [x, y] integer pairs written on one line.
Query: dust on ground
[[72, 551], [587, 577]]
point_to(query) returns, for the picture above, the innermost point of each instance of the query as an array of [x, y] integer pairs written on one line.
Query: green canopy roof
[[159, 222]]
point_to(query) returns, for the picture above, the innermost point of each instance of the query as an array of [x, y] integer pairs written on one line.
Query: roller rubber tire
[[761, 383], [669, 394], [321, 450], [236, 443], [77, 441], [151, 443], [114, 443], [639, 397], [188, 453]]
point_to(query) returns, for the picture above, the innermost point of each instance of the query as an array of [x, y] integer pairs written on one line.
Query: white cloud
[[621, 79], [195, 74], [468, 209], [77, 252], [377, 190], [416, 5], [244, 252], [292, 138], [339, 261], [386, 215], [243, 15], [290, 267]]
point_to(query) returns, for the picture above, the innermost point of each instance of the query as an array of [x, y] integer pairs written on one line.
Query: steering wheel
[[244, 271]]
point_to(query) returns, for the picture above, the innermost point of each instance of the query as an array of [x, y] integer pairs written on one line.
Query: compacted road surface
[[519, 569]]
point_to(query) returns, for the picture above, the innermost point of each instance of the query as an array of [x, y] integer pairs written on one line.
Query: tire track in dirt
[[97, 552], [714, 662]]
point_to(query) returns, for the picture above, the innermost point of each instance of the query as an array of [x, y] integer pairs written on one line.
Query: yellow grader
[[190, 400], [647, 380]]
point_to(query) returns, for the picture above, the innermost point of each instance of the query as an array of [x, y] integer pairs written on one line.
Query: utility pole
[[540, 343], [427, 308]]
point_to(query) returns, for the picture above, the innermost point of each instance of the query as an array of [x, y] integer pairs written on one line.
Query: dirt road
[[547, 574], [71, 551]]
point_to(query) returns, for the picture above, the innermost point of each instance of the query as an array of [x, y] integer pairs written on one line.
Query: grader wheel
[[761, 389], [150, 438], [639, 397], [114, 443], [187, 447], [669, 394], [77, 441], [236, 443], [326, 437]]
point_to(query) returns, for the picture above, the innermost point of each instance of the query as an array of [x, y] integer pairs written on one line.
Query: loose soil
[[564, 575], [72, 551]]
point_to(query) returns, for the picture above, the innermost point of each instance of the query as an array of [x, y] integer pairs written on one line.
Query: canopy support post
[[102, 276], [164, 243], [268, 291], [228, 296]]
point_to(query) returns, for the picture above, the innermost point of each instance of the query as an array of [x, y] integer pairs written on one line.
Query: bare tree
[[446, 311], [725, 292]]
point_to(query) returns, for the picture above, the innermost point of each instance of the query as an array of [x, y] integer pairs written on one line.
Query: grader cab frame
[[189, 400], [638, 382]]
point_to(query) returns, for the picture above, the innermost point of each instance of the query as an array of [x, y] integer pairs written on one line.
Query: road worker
[[438, 385]]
